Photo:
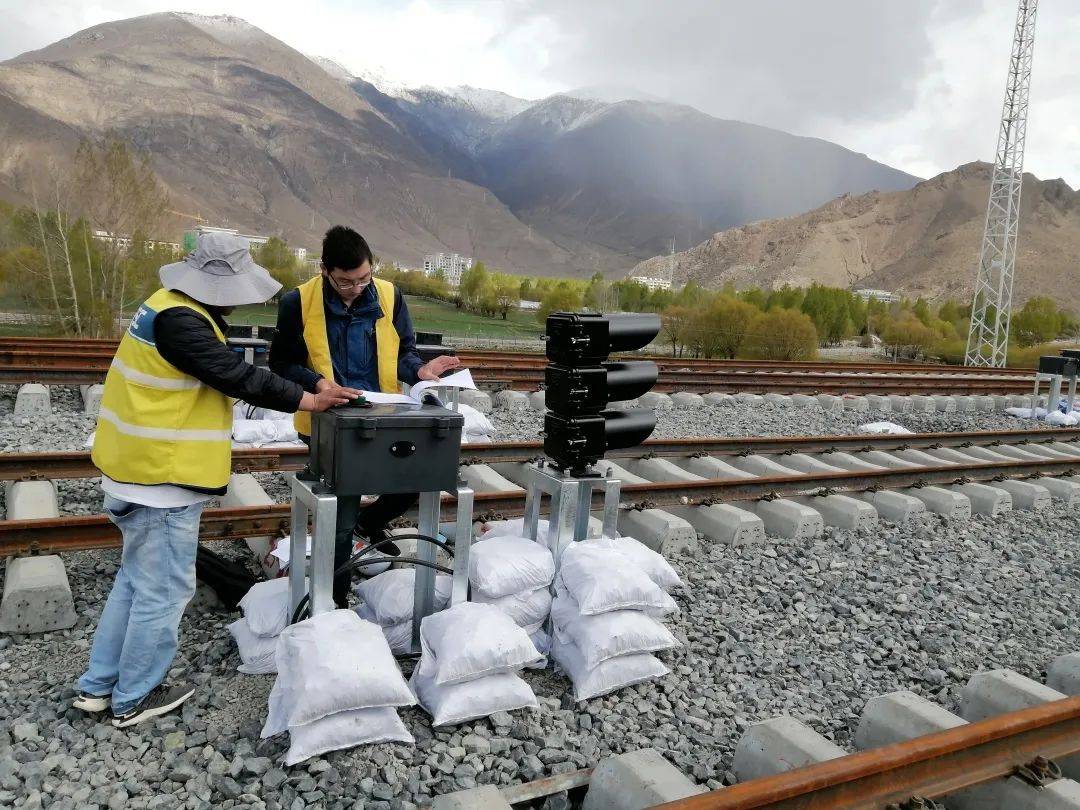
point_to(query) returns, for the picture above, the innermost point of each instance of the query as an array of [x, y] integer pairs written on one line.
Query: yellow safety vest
[[313, 315], [158, 425]]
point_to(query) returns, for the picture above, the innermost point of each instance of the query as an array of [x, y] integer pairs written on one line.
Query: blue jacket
[[351, 334]]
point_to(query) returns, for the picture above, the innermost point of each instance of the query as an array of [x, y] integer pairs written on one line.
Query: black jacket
[[186, 339]]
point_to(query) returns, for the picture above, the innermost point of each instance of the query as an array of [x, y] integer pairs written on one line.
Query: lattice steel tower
[[991, 307]]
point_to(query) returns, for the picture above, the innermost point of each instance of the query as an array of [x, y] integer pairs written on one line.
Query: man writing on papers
[[348, 328]]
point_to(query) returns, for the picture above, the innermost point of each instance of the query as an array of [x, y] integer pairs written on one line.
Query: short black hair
[[345, 249]]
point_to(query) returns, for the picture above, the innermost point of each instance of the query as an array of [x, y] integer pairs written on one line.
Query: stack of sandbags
[[514, 574], [388, 600], [606, 615], [338, 686], [266, 613], [470, 656], [477, 428], [516, 528]]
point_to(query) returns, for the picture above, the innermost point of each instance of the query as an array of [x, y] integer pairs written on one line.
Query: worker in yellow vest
[[347, 327], [164, 447]]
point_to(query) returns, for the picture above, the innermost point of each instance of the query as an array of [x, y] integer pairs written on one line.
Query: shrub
[[781, 334]]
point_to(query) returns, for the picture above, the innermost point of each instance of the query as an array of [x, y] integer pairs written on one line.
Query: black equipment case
[[385, 449]]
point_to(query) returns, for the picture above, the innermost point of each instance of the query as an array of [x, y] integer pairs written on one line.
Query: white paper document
[[459, 379]]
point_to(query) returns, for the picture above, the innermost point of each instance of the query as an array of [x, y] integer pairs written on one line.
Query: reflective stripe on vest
[[313, 314], [158, 425]]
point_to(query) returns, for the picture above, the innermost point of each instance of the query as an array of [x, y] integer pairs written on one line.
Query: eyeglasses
[[350, 285]]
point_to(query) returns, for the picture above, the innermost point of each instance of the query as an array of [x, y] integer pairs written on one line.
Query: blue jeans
[[135, 640]]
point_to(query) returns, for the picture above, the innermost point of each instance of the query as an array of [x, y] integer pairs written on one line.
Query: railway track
[[996, 456]]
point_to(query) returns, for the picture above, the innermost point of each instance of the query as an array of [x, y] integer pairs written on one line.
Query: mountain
[[245, 130], [921, 242]]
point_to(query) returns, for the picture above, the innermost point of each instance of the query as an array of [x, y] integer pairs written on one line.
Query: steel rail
[[930, 766], [77, 464], [53, 535]]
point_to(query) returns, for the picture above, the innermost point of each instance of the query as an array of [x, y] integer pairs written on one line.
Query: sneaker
[[162, 699], [91, 703], [362, 538]]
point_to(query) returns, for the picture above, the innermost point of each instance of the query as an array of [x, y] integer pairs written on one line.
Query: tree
[[472, 286], [562, 297], [507, 294], [1038, 321], [675, 327], [782, 334], [276, 257], [907, 336], [720, 329]]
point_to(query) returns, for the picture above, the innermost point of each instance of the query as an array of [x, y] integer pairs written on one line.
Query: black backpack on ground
[[229, 580]]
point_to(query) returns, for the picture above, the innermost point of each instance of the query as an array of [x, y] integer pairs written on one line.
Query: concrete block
[[901, 404], [659, 530], [1068, 448], [857, 404], [942, 501], [945, 404], [846, 461], [985, 454], [538, 401], [37, 597], [984, 404], [752, 400], [920, 458], [613, 470], [1026, 494], [887, 460], [476, 399], [879, 403], [711, 467], [965, 404], [830, 403], [511, 400], [484, 797], [482, 478], [786, 518], [635, 781], [802, 462], [660, 470], [985, 500], [894, 507], [244, 490], [1000, 691], [687, 399], [1063, 490], [91, 397], [1019, 401], [922, 404], [950, 456], [761, 466], [716, 398], [1019, 453], [655, 400], [804, 401], [778, 399], [1064, 674], [27, 500], [779, 745], [1001, 402], [903, 715], [32, 399], [724, 523], [842, 511]]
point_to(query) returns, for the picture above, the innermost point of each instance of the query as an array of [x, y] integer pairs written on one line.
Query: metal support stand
[[571, 501], [1054, 397], [312, 499]]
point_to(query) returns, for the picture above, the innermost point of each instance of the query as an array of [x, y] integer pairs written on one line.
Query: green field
[[428, 316]]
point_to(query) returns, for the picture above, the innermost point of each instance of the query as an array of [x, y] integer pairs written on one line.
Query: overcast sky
[[917, 84]]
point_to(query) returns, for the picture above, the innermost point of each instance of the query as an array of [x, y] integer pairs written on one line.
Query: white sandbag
[[256, 652], [516, 528], [649, 561], [613, 674], [501, 566], [884, 428], [602, 580], [471, 641], [391, 595], [529, 609], [476, 423], [258, 432], [345, 730], [449, 704], [1026, 413], [542, 642], [266, 606], [608, 635], [335, 662], [398, 636], [1059, 419]]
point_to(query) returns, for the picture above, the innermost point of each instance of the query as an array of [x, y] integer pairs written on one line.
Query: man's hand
[[433, 369], [325, 384], [327, 398]]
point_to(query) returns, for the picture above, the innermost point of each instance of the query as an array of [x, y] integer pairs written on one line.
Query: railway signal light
[[580, 383]]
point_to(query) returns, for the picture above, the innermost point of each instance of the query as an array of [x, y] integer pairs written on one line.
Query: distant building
[[884, 296], [653, 282], [452, 265], [254, 240], [124, 242]]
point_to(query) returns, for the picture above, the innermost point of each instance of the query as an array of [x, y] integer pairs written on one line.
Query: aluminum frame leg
[[1055, 394], [297, 552], [424, 583], [462, 546], [323, 535]]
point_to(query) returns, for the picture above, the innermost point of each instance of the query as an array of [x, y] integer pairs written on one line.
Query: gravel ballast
[[808, 629]]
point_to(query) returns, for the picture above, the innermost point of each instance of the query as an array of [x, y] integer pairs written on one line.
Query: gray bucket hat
[[220, 272]]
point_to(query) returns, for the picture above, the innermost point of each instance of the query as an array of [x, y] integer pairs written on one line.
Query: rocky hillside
[[924, 241]]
